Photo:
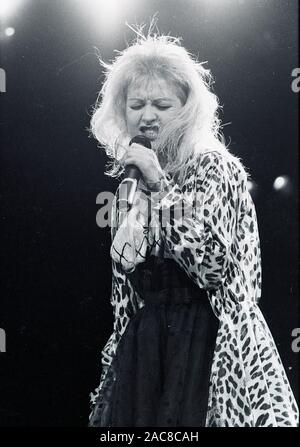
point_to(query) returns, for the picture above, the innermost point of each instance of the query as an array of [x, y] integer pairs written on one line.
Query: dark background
[[56, 267]]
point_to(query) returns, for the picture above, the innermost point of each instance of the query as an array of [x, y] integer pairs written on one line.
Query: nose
[[149, 115]]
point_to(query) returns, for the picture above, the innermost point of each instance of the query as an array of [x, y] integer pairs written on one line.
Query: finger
[[130, 161], [134, 147]]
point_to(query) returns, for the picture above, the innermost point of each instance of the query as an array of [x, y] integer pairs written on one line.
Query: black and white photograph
[[149, 216]]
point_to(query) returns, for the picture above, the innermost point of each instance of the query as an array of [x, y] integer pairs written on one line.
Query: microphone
[[131, 177]]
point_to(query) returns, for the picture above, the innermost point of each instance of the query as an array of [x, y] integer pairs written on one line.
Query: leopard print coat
[[218, 246]]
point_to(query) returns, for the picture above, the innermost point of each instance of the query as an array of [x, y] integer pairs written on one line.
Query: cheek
[[166, 117], [131, 118]]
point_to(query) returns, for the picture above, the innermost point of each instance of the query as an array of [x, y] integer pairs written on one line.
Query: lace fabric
[[160, 373]]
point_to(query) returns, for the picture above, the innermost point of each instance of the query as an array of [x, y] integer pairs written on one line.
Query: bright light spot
[[252, 188], [8, 7], [280, 182], [250, 185], [104, 13], [9, 31]]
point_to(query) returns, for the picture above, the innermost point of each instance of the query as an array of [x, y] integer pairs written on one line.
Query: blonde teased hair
[[195, 129]]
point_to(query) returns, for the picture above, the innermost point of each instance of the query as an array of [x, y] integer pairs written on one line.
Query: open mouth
[[150, 132]]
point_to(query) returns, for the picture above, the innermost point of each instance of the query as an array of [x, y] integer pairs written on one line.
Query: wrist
[[154, 186], [159, 185]]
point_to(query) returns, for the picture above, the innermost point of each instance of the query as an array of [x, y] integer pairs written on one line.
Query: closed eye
[[136, 107], [163, 107], [158, 106]]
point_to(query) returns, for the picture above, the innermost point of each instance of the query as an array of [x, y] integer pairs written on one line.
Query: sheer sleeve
[[125, 303]]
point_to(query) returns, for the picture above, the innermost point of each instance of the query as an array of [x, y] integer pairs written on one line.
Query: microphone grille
[[141, 139]]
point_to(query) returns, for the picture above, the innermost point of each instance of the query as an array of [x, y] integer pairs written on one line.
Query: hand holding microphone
[[139, 161]]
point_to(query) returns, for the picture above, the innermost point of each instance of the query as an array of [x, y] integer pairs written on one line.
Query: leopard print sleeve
[[198, 228], [209, 226]]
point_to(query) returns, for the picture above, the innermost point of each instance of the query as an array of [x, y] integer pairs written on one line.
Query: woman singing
[[189, 345]]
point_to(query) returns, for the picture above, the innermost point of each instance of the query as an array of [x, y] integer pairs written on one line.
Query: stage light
[[8, 7], [251, 185], [9, 31], [252, 188], [280, 182], [103, 7], [103, 12], [283, 184]]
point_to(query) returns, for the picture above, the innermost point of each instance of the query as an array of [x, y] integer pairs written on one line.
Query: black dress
[[160, 374]]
